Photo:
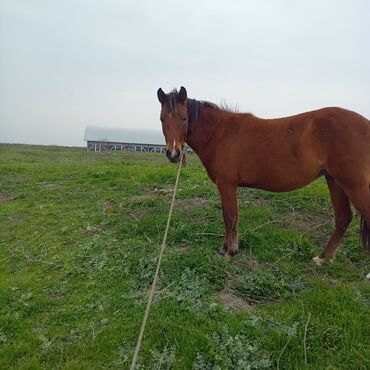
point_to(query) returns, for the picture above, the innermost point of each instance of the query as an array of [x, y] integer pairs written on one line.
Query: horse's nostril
[[173, 154]]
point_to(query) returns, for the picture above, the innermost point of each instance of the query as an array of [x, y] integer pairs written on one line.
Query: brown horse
[[283, 154]]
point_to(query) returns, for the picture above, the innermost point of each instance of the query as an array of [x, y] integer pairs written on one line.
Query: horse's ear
[[182, 95], [161, 96]]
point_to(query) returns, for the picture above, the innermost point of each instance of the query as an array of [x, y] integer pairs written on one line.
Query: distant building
[[102, 139]]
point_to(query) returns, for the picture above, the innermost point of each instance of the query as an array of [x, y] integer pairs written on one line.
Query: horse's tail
[[365, 234]]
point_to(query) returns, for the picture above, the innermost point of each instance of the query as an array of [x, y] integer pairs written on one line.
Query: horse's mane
[[195, 107]]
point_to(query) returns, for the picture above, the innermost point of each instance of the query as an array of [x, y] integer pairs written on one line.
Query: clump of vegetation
[[269, 285], [231, 352]]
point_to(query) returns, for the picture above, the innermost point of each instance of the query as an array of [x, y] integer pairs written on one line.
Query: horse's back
[[286, 153], [329, 132]]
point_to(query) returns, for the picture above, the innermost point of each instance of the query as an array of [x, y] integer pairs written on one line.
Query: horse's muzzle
[[173, 156]]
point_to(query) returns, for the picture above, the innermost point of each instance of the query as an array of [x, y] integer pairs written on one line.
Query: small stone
[[94, 229], [164, 191], [108, 210]]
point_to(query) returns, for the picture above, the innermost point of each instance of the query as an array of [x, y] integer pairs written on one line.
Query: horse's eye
[[184, 119]]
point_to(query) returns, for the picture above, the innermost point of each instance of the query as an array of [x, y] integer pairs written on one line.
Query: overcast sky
[[67, 64]]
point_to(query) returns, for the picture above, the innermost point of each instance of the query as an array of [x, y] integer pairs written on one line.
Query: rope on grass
[[305, 338], [152, 289]]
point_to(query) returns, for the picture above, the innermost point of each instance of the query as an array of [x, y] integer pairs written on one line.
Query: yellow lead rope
[[151, 293]]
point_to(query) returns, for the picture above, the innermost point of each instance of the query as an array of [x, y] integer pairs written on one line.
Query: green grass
[[79, 239]]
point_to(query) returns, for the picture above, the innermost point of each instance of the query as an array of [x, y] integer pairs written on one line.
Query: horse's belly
[[282, 179], [281, 186]]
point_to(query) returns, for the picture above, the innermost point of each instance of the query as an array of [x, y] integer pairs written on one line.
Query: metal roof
[[124, 135]]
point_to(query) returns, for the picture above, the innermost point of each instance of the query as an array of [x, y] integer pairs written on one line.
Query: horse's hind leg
[[359, 194], [360, 197], [342, 215]]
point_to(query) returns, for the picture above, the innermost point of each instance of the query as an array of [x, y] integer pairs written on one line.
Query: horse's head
[[174, 117]]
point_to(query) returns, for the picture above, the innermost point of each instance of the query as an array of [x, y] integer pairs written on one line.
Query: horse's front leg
[[230, 213]]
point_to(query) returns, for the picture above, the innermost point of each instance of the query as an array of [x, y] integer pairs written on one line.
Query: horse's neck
[[200, 132]]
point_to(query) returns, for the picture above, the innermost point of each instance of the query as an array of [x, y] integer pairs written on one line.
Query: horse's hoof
[[318, 261], [222, 252], [230, 254], [227, 257]]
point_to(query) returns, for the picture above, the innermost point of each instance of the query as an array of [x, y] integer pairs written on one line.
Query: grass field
[[79, 239]]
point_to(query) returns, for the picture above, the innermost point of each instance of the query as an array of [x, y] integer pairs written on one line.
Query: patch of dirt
[[248, 302], [303, 221], [163, 191], [16, 217], [186, 204], [331, 281], [5, 198], [191, 203], [247, 261], [139, 213], [186, 248], [144, 210], [230, 300], [51, 186], [258, 202], [308, 225], [55, 296], [139, 198]]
